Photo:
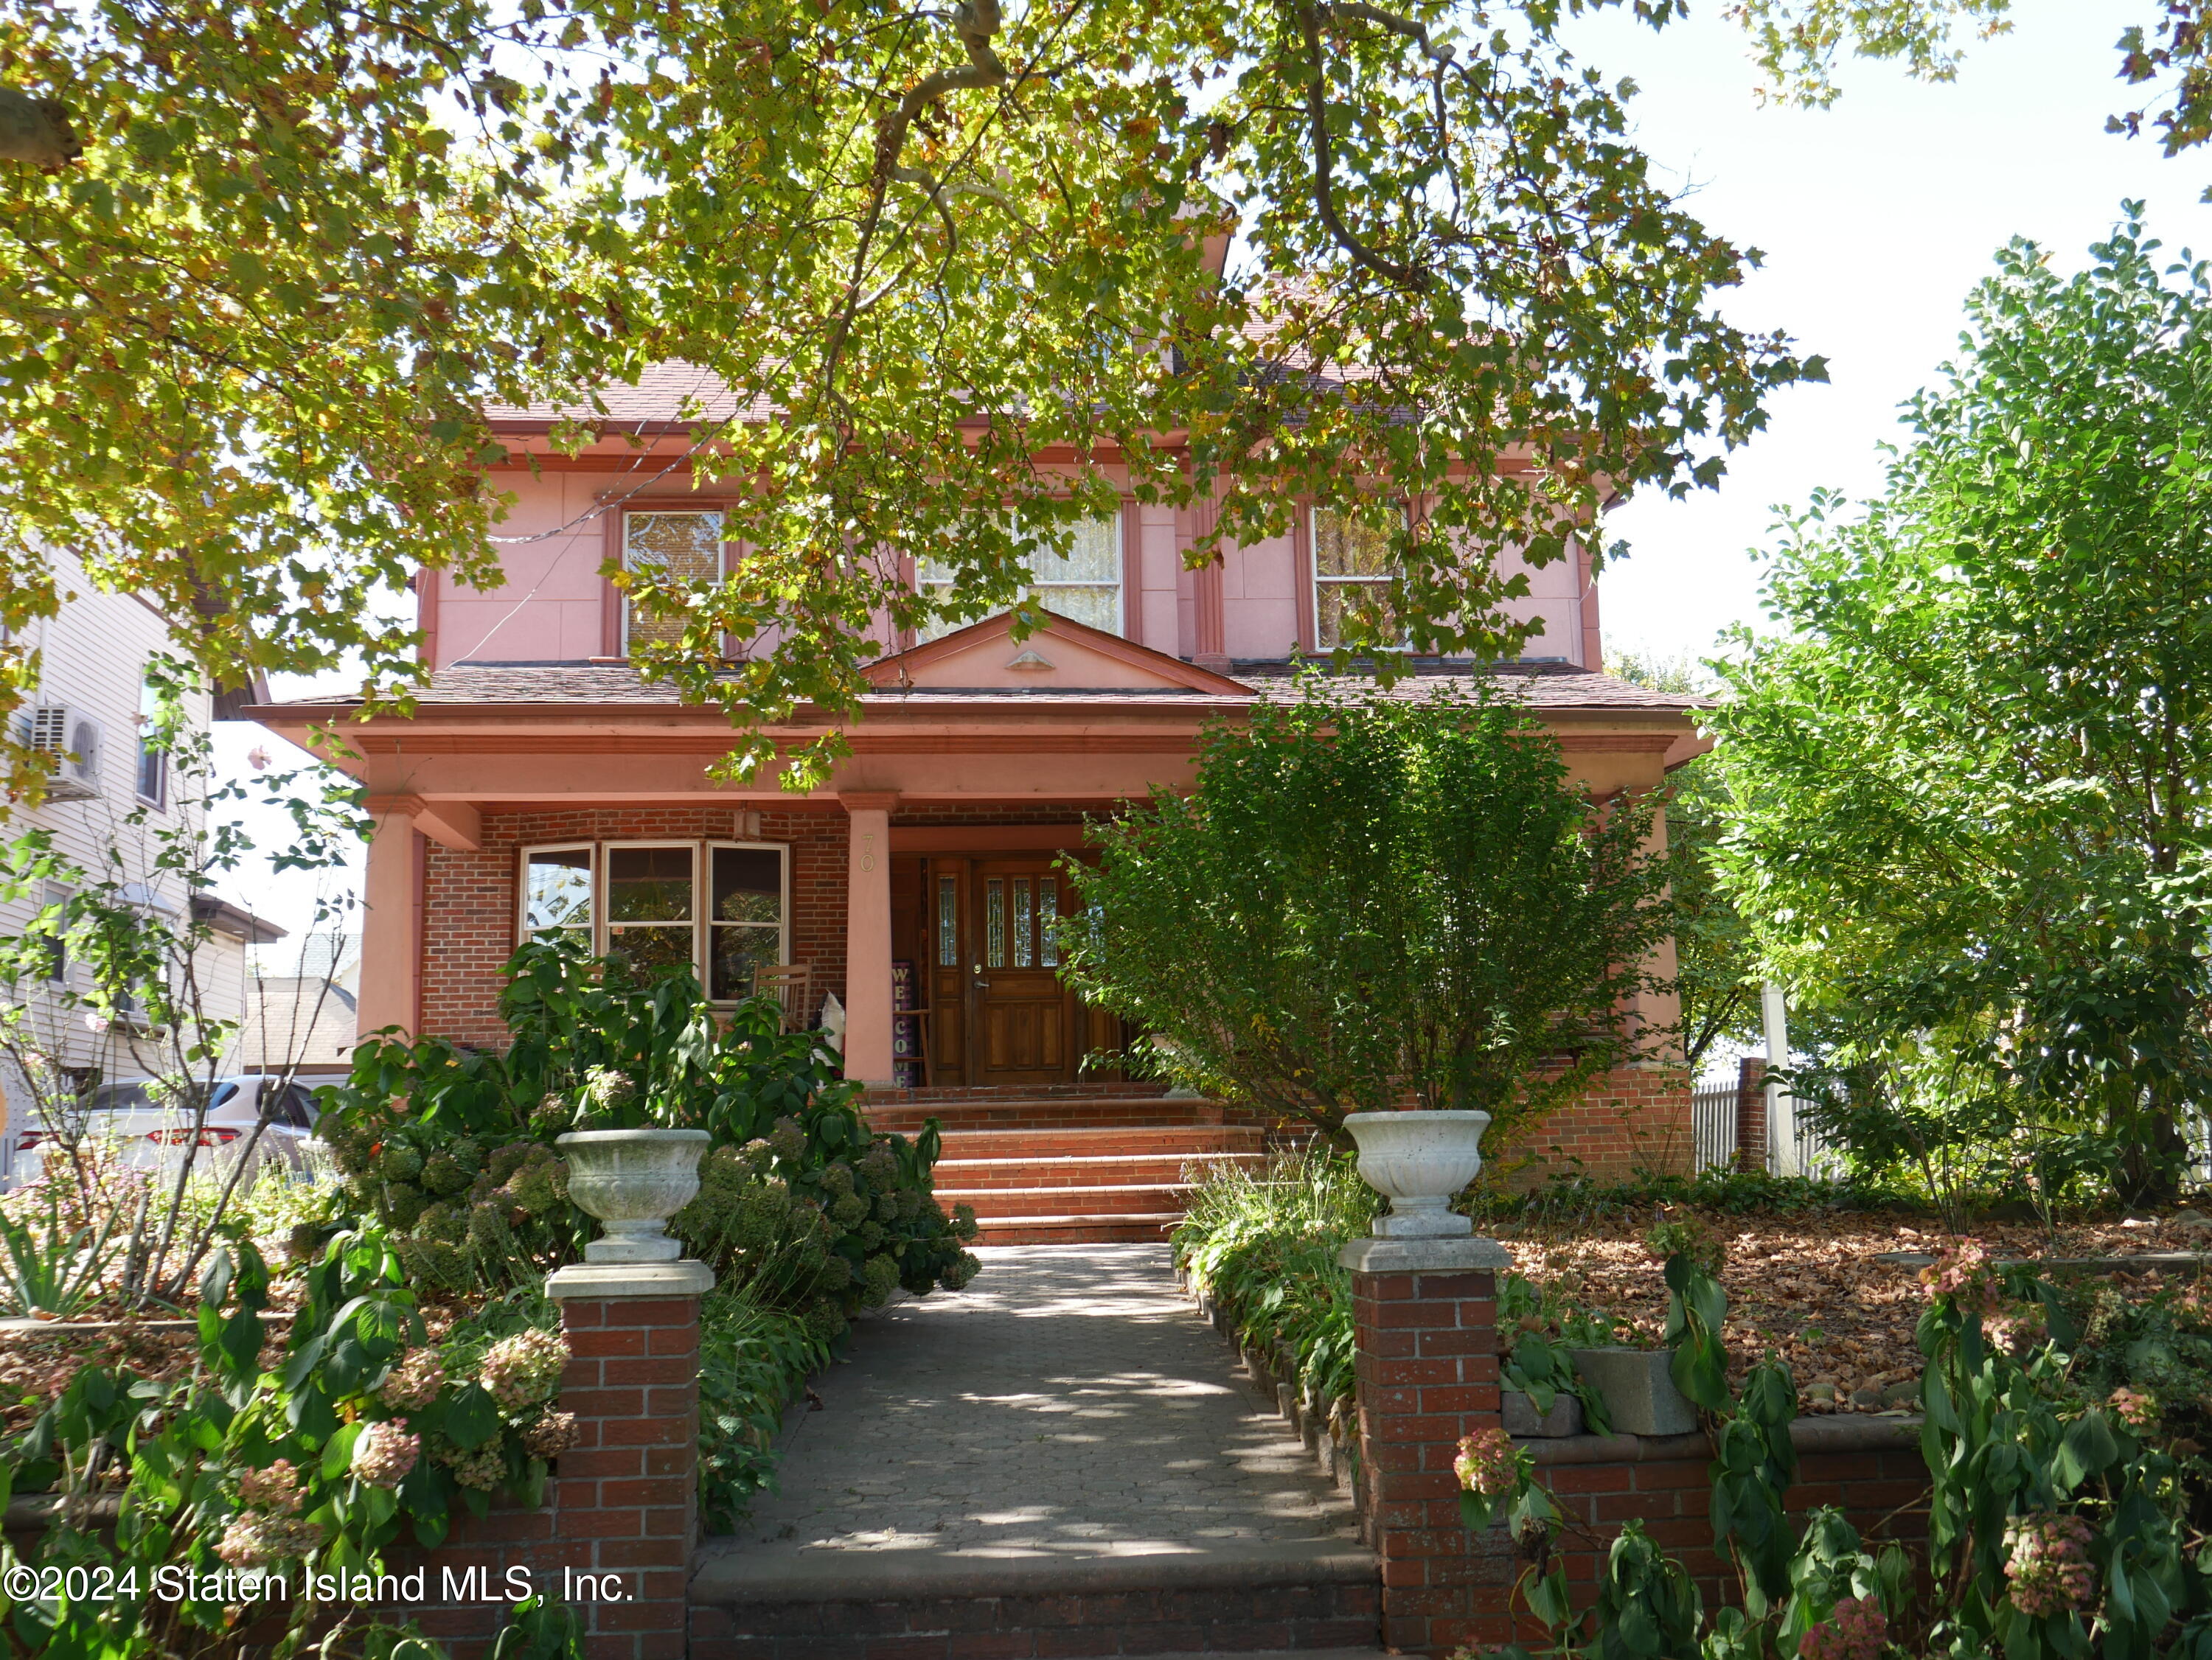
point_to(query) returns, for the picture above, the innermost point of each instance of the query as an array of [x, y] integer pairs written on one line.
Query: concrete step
[[1000, 1175], [1089, 1199], [1099, 1141]]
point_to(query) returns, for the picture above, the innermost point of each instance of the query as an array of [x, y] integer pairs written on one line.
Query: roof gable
[[1063, 656]]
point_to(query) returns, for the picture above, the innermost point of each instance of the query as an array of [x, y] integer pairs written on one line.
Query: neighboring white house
[[300, 1010], [89, 710]]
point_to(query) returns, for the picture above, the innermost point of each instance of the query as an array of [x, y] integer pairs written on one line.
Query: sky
[[1877, 217]]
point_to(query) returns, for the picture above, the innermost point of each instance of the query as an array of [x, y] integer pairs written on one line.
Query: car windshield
[[149, 1095]]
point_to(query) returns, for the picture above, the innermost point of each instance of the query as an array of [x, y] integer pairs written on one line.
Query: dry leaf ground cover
[[1806, 1285]]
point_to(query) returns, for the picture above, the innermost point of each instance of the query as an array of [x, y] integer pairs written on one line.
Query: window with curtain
[[1086, 584], [686, 545], [1352, 569], [643, 902]]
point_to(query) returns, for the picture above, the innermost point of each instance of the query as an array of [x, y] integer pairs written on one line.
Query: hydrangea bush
[[320, 1451], [2065, 1506]]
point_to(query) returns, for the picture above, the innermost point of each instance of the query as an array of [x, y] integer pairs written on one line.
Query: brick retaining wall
[[1426, 1366], [621, 1505]]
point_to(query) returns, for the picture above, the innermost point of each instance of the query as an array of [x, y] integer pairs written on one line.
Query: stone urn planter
[[1421, 1161], [634, 1180]]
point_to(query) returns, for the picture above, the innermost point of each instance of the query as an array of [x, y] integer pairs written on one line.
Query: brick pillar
[[1425, 1313], [627, 1492], [615, 1534], [1751, 1152]]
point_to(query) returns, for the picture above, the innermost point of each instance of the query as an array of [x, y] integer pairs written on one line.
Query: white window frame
[[1315, 581], [1042, 587], [606, 892], [702, 873], [523, 932], [721, 553]]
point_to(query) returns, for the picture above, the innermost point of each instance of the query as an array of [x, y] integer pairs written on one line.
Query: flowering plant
[[1965, 1273], [1857, 1630], [2047, 1565]]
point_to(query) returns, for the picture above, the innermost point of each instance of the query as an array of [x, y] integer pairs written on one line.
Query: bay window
[[720, 909]]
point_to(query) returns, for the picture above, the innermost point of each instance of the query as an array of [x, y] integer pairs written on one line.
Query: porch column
[[868, 938], [391, 924]]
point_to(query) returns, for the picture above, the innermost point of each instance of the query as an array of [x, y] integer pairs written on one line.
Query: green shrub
[[800, 1202], [1364, 899], [754, 1362], [360, 1430], [1264, 1246]]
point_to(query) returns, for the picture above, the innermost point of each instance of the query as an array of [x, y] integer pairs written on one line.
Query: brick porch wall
[[470, 900], [1633, 1118]]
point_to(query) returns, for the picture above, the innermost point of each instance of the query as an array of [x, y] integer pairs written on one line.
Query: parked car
[[150, 1132]]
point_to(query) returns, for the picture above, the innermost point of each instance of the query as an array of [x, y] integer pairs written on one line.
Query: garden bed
[[1811, 1286]]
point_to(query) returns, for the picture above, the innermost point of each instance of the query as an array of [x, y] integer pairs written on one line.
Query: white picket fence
[[1713, 1136], [1713, 1127]]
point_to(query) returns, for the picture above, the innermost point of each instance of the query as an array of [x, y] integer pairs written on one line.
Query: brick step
[[1078, 1230], [1017, 1113], [1161, 1141], [1317, 1599], [1086, 1199], [1002, 1175]]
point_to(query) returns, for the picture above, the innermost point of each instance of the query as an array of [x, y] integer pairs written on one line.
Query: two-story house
[[89, 712], [540, 783]]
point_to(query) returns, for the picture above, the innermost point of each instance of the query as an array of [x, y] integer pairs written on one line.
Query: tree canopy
[[1972, 781], [264, 268]]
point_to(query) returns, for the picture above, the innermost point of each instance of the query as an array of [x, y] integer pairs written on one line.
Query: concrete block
[[1522, 1418], [1640, 1395]]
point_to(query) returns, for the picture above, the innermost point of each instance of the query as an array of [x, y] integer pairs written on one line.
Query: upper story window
[[720, 909], [153, 753], [686, 544], [1086, 584], [1353, 569]]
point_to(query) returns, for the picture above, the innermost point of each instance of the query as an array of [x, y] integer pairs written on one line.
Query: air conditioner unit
[[74, 738]]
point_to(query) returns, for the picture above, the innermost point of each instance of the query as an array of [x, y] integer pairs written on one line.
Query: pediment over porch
[[1063, 656]]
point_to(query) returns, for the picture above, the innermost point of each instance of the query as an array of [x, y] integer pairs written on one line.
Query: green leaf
[[471, 1417]]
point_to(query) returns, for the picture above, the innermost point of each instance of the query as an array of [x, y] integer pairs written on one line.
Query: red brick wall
[[992, 812], [1666, 1483], [1750, 1113], [1427, 1368], [470, 898], [621, 1505], [1634, 1118]]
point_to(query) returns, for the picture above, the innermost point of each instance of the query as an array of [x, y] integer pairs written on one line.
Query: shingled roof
[[1545, 686]]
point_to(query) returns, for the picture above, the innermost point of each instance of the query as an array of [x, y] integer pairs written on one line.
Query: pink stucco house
[[541, 783]]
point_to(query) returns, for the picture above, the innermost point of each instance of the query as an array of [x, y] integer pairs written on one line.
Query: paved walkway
[[1068, 1406]]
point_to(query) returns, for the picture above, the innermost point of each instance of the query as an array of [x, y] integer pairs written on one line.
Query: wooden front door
[[1020, 1016]]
